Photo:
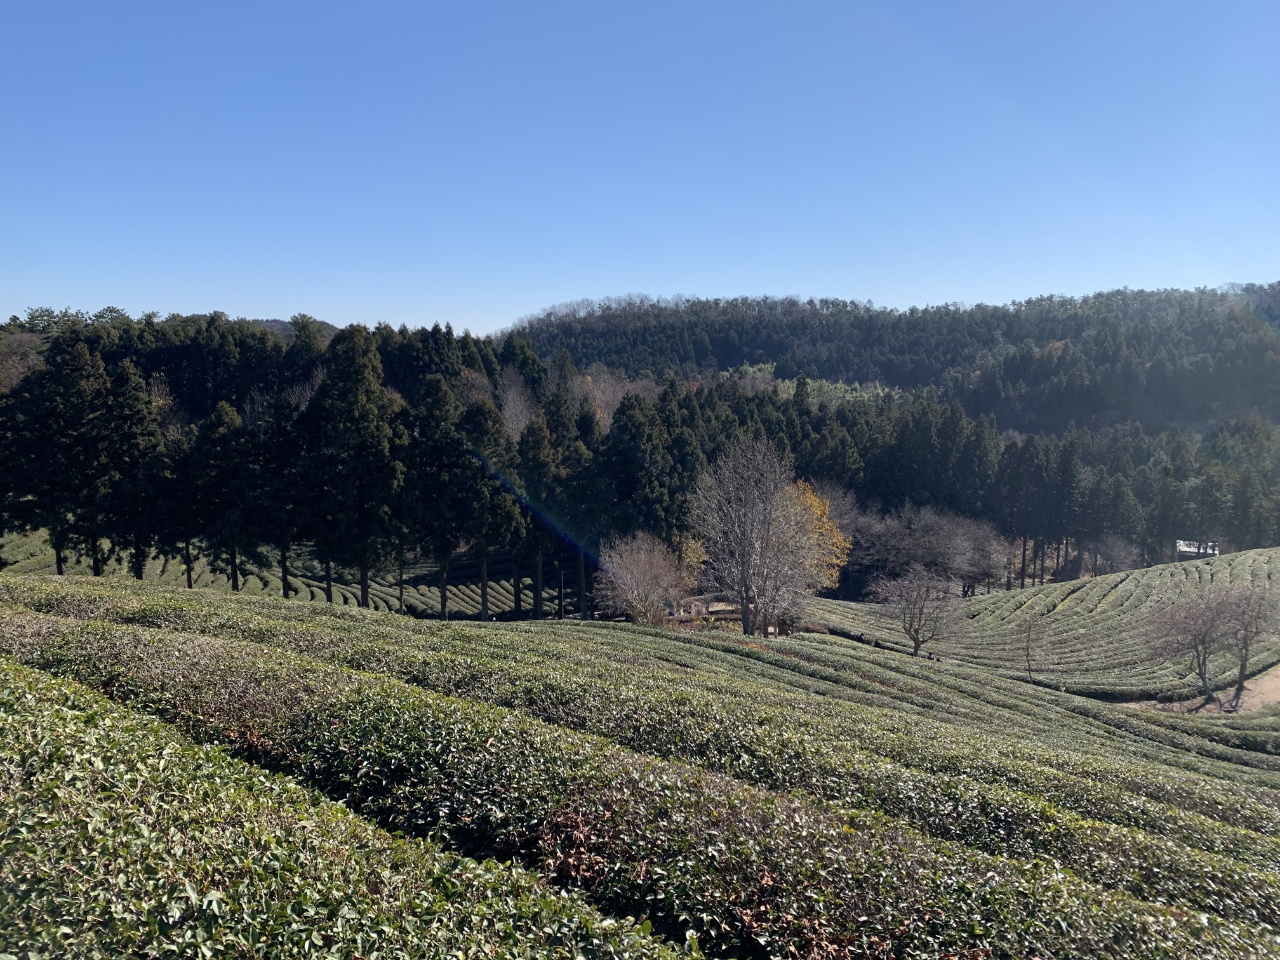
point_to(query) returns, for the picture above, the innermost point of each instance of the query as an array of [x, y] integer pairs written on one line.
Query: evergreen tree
[[354, 465], [181, 515], [542, 474], [60, 448], [497, 522], [224, 490], [637, 460], [1246, 525], [517, 353], [281, 499], [440, 479], [139, 468]]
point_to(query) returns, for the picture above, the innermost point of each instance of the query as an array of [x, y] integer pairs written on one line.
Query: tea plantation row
[[586, 677], [31, 554], [601, 818], [119, 837], [1091, 637]]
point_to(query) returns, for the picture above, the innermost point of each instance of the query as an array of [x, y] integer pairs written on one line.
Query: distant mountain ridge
[[283, 329], [1162, 357]]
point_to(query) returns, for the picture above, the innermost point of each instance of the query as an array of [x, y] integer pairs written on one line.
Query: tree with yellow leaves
[[830, 544]]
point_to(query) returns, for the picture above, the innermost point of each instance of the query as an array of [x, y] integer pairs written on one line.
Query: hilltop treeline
[[1157, 357], [203, 435]]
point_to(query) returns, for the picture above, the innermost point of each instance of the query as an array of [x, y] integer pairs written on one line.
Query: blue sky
[[474, 162]]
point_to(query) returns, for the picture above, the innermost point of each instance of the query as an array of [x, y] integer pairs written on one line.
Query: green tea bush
[[1089, 637], [119, 837], [752, 872], [968, 792]]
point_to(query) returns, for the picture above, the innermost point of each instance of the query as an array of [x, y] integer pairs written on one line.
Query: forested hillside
[[221, 444], [1158, 357], [791, 793]]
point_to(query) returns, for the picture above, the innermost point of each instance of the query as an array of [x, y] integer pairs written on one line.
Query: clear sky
[[472, 162]]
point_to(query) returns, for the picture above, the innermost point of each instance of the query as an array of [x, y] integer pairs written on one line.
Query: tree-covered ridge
[[1160, 357], [204, 436]]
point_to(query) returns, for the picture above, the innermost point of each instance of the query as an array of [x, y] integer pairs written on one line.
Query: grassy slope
[[120, 837], [1138, 808], [31, 554], [1092, 637]]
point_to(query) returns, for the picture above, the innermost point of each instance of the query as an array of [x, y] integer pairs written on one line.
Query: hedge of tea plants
[[750, 871], [957, 783], [30, 553], [119, 837], [1091, 637]]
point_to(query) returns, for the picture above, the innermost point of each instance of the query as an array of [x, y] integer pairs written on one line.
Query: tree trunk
[[517, 589], [186, 562], [484, 585], [537, 583], [746, 616], [560, 598], [1240, 678], [328, 581], [235, 572], [1023, 571], [444, 590], [95, 557], [284, 571], [59, 561], [138, 560], [400, 584], [582, 584], [1202, 670], [364, 581]]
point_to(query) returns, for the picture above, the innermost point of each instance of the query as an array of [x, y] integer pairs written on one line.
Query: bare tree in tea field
[[1197, 627], [1251, 612], [921, 602], [640, 577], [768, 541]]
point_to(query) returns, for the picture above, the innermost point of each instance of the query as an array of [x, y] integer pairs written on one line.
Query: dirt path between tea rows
[[1263, 690]]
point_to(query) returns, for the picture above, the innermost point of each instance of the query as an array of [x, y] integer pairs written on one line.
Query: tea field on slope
[[788, 797], [31, 554], [1091, 637], [120, 837]]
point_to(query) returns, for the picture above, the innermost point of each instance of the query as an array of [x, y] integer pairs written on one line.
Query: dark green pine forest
[[1083, 434]]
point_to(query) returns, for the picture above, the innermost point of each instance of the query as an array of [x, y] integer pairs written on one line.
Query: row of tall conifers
[[203, 436]]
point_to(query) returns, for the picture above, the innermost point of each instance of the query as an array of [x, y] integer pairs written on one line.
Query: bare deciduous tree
[[1195, 627], [735, 506], [641, 578], [1114, 554], [1251, 612], [515, 401], [472, 387], [19, 355], [968, 551], [1221, 621], [921, 602], [604, 390], [769, 542], [842, 503]]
